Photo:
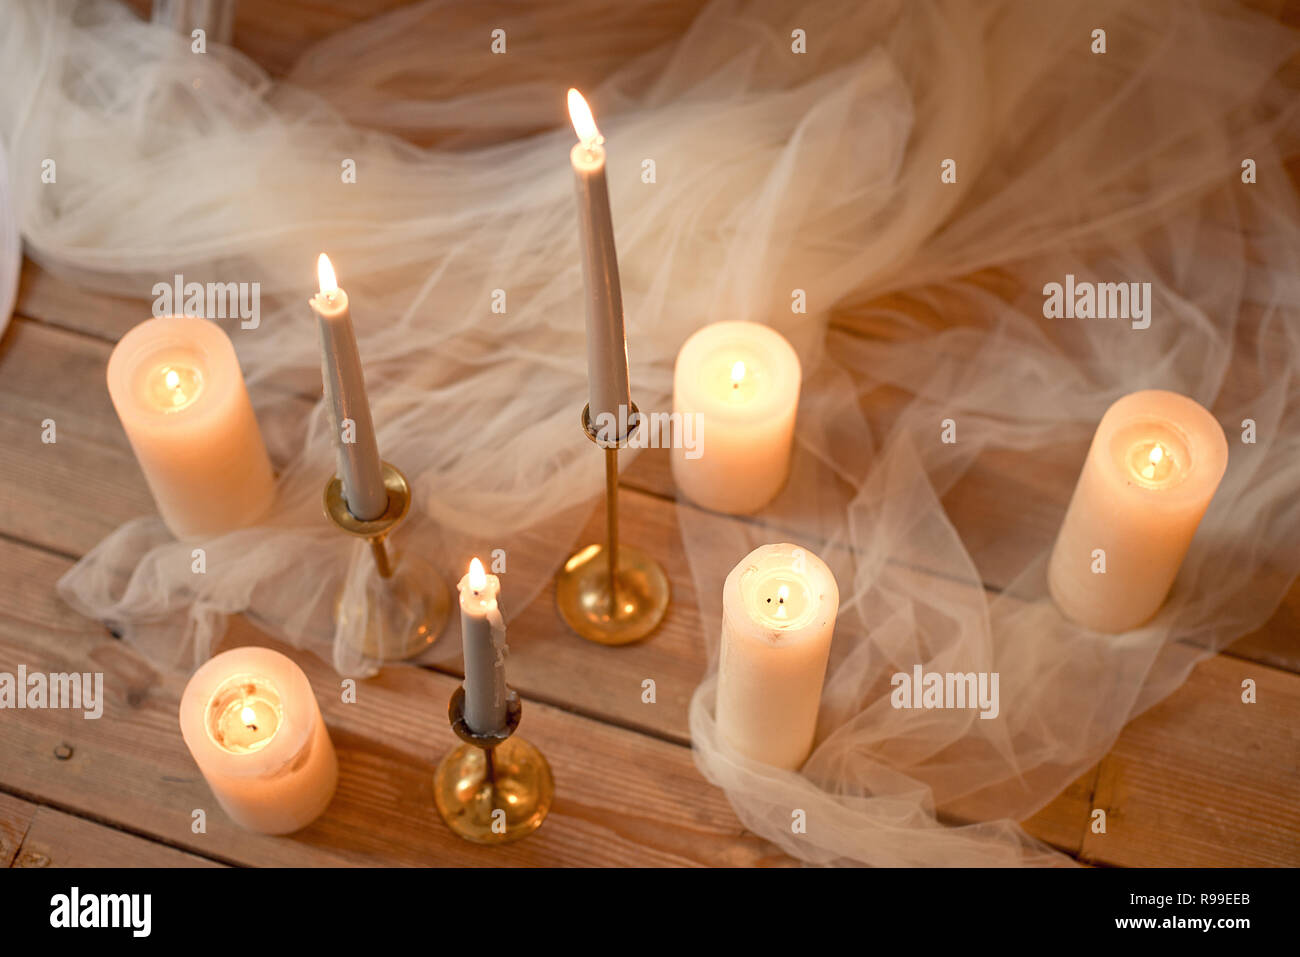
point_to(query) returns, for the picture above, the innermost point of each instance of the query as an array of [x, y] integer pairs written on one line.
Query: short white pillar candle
[[178, 390], [1154, 464], [255, 730], [742, 380], [778, 613]]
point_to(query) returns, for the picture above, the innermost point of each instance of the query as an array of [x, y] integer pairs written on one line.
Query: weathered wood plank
[[56, 839], [69, 494], [622, 797], [44, 297], [15, 818], [1061, 823], [1203, 779]]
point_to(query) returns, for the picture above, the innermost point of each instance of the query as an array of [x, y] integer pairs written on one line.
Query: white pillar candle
[[742, 379], [1153, 466], [252, 724], [483, 641], [345, 395], [177, 388], [608, 392], [778, 612]]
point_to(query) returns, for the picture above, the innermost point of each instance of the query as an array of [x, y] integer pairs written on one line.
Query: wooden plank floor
[[1179, 787], [1199, 779]]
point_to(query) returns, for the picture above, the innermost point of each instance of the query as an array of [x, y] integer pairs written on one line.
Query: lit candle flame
[[248, 716], [172, 378], [737, 374], [584, 124], [325, 273], [1157, 453], [782, 594], [477, 577]]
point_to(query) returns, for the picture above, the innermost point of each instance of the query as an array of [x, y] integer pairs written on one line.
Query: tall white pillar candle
[[483, 640], [1154, 464], [178, 391], [607, 380], [345, 392], [778, 613], [252, 724], [741, 381]]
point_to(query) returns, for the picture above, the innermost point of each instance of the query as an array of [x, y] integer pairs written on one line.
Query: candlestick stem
[[405, 611], [494, 788], [611, 593]]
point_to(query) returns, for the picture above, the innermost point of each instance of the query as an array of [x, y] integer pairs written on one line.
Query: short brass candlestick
[[613, 593], [405, 610], [494, 788]]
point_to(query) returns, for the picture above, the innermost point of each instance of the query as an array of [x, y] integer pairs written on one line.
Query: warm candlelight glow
[[477, 577], [782, 599], [1157, 453], [744, 377], [252, 723], [1156, 464], [782, 594], [173, 387], [325, 273], [244, 714], [584, 124]]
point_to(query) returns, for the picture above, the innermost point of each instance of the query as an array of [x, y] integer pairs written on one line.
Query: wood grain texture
[[1189, 778], [56, 839], [15, 818]]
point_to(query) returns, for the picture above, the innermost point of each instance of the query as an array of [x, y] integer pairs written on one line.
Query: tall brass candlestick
[[612, 594]]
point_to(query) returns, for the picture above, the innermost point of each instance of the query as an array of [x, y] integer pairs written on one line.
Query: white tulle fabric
[[775, 171]]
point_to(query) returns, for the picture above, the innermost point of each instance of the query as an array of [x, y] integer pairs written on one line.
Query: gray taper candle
[[483, 645], [607, 380], [345, 394]]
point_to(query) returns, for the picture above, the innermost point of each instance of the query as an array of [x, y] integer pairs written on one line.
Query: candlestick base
[[494, 788], [582, 595], [406, 607], [399, 616]]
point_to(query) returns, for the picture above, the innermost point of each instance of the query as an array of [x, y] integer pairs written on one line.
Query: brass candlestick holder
[[612, 594], [494, 788], [406, 608]]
